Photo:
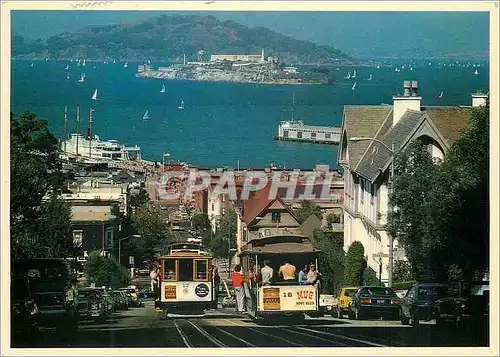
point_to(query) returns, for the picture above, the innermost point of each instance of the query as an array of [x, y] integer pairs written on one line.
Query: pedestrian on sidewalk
[[155, 285], [237, 278]]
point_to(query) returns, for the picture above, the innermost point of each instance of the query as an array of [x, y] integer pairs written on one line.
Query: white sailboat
[[83, 64], [348, 75], [67, 67], [370, 78], [181, 106], [67, 75], [94, 96], [82, 78], [31, 64], [476, 72], [162, 89], [378, 66], [354, 86], [441, 95], [354, 74], [146, 115], [125, 65]]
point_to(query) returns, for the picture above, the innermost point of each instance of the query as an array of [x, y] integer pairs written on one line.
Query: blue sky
[[360, 34]]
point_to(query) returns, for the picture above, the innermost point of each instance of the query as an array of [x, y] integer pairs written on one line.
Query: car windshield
[[378, 290], [436, 292], [350, 292]]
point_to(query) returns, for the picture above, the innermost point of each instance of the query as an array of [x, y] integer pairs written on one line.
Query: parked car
[[120, 300], [107, 299], [419, 302], [136, 301], [53, 289], [23, 312], [90, 304], [344, 300], [327, 303], [146, 293], [374, 301]]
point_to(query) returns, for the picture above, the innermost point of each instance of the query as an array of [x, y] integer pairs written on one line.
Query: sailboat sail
[[354, 74], [162, 89], [348, 75], [82, 78], [125, 65], [94, 97], [181, 106], [370, 78], [354, 86], [67, 67], [441, 95], [146, 115]]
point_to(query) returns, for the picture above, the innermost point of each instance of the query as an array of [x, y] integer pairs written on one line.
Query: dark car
[[24, 311], [420, 300], [375, 302], [120, 300], [90, 304], [53, 288]]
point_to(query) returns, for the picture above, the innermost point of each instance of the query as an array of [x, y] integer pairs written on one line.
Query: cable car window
[[201, 269], [170, 270], [185, 270]]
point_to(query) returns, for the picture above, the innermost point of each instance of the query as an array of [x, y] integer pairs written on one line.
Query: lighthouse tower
[[262, 59]]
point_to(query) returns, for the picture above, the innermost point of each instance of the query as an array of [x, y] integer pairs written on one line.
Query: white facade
[[216, 209], [96, 149], [296, 130]]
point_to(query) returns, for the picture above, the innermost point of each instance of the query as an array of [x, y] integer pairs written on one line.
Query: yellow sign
[[271, 298], [170, 292]]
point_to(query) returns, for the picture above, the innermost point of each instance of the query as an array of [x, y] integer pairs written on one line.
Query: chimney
[[479, 99], [410, 100]]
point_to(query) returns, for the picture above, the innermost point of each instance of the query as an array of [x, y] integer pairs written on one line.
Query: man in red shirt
[[237, 278]]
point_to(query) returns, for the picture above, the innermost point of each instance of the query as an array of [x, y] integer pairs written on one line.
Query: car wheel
[[414, 319], [404, 320], [350, 314], [340, 314]]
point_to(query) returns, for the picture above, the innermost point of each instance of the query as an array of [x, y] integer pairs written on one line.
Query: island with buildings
[[241, 68]]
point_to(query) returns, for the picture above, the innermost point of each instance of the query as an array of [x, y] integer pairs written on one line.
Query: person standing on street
[[155, 285], [216, 282], [237, 278]]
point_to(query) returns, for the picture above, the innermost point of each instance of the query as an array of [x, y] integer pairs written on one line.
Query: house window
[[213, 207], [328, 136], [313, 135], [299, 134], [109, 237], [78, 238], [276, 217], [285, 133]]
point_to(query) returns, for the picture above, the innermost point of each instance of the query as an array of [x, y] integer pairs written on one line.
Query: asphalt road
[[145, 327]]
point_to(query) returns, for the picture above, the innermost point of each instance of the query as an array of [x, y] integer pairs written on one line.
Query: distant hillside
[[169, 37]]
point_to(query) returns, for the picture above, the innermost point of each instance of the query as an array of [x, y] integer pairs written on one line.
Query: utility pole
[[391, 238]]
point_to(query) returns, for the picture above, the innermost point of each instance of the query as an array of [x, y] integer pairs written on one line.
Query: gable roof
[[451, 122], [309, 225], [362, 120]]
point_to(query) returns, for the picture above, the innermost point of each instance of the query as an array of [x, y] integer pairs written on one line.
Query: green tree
[[150, 224], [105, 271], [307, 209], [201, 222], [138, 197], [40, 222], [442, 215], [332, 218], [402, 271], [225, 236], [330, 259], [355, 264]]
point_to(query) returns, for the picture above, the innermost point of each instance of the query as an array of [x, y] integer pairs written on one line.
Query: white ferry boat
[[295, 130], [96, 150]]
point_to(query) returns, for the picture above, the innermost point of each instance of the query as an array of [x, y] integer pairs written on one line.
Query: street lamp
[[120, 245], [391, 238]]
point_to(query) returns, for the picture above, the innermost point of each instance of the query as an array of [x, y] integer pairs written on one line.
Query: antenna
[[77, 127], [65, 128], [90, 132]]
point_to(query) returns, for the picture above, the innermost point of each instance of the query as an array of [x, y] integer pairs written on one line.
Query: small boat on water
[[67, 75], [83, 64], [67, 67], [82, 78], [146, 115], [125, 65], [94, 96], [181, 106], [476, 72], [354, 86], [440, 95], [162, 89], [370, 78], [354, 74], [31, 64], [348, 75]]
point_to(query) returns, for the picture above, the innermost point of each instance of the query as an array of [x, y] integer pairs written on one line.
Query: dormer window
[[276, 217]]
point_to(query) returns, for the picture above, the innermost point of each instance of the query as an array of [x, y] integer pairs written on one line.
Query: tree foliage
[[150, 224], [332, 218], [40, 222], [330, 259], [225, 235], [105, 271], [402, 271], [355, 264], [442, 215], [201, 222], [307, 209]]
